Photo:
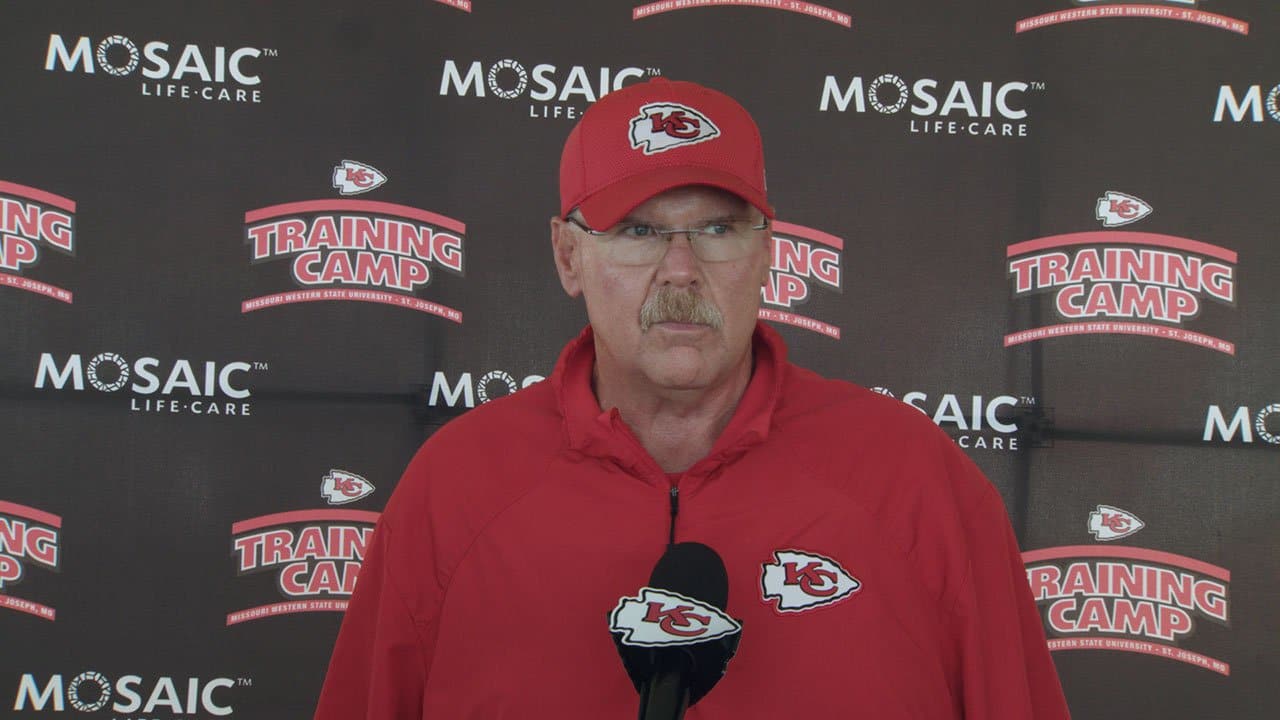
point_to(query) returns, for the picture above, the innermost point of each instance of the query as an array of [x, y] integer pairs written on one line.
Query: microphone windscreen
[[694, 570]]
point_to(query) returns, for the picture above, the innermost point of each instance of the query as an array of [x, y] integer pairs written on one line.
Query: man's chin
[[679, 381], [679, 368]]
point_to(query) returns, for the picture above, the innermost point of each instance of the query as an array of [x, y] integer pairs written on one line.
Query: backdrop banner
[[253, 254]]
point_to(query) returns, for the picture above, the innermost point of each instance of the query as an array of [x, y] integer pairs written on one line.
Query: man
[[871, 564]]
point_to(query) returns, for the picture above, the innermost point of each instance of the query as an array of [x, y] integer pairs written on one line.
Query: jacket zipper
[[675, 509], [615, 421]]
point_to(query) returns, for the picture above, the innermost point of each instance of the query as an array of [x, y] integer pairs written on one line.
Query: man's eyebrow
[[726, 217]]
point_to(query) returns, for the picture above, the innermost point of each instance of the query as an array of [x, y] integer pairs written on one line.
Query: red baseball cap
[[653, 136]]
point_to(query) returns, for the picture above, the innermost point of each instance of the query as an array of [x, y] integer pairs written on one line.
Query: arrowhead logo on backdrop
[[662, 126], [797, 581], [660, 617], [340, 487], [1111, 523], [1117, 208], [352, 178]]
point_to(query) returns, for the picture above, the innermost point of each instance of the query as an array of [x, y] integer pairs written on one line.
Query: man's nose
[[679, 266]]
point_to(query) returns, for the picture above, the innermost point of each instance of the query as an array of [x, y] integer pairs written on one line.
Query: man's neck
[[676, 427]]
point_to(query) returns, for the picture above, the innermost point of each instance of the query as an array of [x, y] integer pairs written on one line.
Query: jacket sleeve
[[378, 668], [1007, 673]]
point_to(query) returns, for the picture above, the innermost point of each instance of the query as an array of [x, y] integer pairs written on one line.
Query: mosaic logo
[[157, 386], [190, 72], [314, 555], [1109, 281], [468, 392], [1127, 599], [1264, 425], [552, 91], [1246, 105], [813, 10], [92, 691], [356, 250], [28, 538], [1182, 10], [32, 221], [959, 107], [975, 422], [803, 259]]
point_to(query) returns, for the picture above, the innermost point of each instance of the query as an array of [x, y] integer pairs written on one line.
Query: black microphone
[[674, 637]]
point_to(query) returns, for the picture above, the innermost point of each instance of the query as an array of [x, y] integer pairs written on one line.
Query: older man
[[872, 566]]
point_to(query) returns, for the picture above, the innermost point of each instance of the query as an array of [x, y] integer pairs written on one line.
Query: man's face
[[668, 354]]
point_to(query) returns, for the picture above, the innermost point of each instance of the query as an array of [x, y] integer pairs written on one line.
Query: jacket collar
[[603, 434]]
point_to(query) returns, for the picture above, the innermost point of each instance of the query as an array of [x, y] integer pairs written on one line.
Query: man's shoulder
[[486, 453], [876, 442], [531, 410]]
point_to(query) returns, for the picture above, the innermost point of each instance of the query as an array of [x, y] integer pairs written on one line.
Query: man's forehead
[[702, 199]]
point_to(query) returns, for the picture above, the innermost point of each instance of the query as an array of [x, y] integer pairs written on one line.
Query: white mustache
[[670, 305]]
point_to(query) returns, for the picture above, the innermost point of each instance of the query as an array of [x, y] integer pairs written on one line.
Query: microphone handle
[[666, 695]]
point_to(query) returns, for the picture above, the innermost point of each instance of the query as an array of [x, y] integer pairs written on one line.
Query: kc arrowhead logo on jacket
[[659, 617], [797, 581], [662, 126], [1112, 523]]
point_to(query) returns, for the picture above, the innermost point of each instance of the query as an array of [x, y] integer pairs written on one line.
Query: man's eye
[[716, 229], [637, 231]]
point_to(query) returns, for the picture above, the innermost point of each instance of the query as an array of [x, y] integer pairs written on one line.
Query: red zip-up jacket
[[517, 527]]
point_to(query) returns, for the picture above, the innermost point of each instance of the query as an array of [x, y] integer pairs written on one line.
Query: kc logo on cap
[[662, 126]]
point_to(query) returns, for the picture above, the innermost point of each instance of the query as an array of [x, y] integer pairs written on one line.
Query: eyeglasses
[[638, 243]]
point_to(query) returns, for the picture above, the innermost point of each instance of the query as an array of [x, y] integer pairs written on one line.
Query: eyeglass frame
[[690, 233]]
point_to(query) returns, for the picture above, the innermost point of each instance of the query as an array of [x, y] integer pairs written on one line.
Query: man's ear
[[564, 248]]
